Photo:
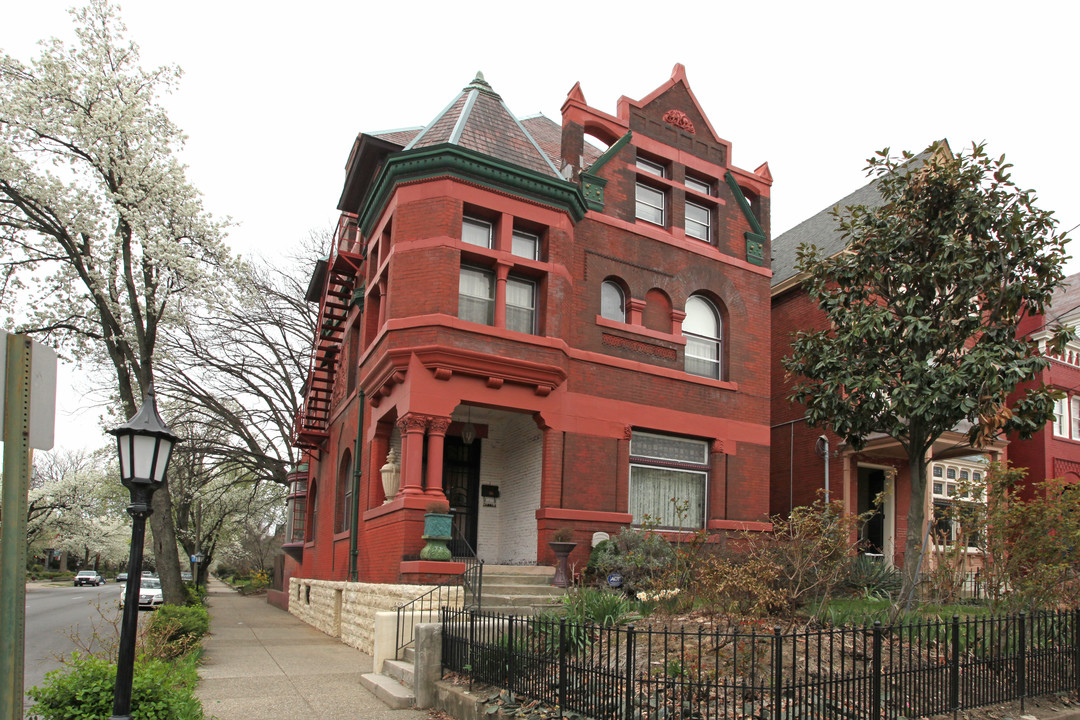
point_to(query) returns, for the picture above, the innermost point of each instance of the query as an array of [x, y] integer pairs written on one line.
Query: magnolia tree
[[101, 234], [923, 310]]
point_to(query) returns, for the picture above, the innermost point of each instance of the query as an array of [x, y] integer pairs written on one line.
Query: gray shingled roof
[[821, 230], [478, 119]]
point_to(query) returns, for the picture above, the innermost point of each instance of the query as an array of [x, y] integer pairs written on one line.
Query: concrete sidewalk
[[261, 662]]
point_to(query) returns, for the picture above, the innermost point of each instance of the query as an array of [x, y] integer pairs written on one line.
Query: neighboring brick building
[[797, 469], [549, 334], [1054, 452]]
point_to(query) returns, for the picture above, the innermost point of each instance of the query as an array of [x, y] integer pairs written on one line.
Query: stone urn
[[562, 550], [391, 476], [437, 532]]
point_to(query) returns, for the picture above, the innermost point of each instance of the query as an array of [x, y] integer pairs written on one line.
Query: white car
[[149, 594], [88, 577]]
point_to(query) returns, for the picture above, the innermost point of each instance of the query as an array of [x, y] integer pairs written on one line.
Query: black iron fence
[[622, 673]]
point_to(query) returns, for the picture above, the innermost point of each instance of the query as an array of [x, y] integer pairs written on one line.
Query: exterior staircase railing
[[463, 591]]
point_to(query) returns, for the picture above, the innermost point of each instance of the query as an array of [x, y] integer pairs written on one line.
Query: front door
[[461, 483], [871, 485]]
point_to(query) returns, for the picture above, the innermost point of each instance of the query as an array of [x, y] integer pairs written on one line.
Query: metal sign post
[[28, 369]]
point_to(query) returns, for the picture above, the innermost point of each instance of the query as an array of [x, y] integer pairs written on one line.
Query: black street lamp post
[[145, 444]]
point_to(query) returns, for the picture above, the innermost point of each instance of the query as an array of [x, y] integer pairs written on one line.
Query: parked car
[[149, 594], [88, 577], [121, 577]]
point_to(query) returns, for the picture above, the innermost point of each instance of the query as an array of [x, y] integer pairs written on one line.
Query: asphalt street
[[55, 612]]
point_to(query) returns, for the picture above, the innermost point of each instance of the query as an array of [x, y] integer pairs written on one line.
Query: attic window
[[650, 167], [698, 185]]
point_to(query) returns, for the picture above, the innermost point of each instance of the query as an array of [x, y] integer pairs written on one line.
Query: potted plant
[[562, 544], [437, 524]]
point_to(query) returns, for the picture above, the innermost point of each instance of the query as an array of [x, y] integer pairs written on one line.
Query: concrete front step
[[507, 588], [400, 670], [519, 570], [391, 692]]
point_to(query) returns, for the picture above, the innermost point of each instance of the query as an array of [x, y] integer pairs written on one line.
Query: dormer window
[[475, 231]]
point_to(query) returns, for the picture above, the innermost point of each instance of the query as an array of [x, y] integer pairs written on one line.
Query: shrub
[[872, 578], [174, 630], [640, 556], [83, 690], [196, 594]]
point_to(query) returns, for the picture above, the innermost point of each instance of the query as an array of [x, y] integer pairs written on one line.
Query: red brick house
[[547, 325], [798, 467], [1054, 452]]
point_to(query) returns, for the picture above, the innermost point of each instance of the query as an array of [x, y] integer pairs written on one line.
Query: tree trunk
[[916, 517], [166, 558]]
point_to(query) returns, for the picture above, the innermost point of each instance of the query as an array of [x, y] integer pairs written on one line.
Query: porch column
[[502, 270], [433, 484], [380, 446], [384, 304], [552, 474], [412, 427]]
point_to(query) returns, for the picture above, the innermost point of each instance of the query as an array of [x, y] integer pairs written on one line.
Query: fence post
[[629, 673], [1021, 670], [562, 664], [875, 672], [1076, 648], [510, 655], [954, 667], [472, 642], [777, 672]]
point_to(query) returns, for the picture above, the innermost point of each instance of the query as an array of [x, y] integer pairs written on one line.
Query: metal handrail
[[464, 591]]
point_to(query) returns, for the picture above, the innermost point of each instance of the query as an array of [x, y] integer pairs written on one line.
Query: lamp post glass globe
[[145, 445]]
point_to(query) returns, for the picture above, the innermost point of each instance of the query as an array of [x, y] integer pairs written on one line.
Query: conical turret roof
[[478, 119]]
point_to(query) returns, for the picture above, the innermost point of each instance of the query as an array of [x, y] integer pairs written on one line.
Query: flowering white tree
[[101, 234]]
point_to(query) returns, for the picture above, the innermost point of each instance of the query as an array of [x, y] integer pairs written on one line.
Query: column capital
[[438, 425], [411, 423]]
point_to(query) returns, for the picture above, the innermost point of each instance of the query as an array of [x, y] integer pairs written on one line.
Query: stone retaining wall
[[347, 610]]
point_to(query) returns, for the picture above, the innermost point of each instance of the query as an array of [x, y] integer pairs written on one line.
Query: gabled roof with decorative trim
[[478, 119]]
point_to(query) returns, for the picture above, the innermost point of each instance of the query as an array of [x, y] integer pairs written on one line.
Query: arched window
[[702, 330], [612, 302], [343, 504]]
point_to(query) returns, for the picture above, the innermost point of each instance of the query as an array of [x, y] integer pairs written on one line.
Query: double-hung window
[[475, 231], [702, 329], [702, 187], [698, 219], [651, 203], [1061, 417], [1074, 406], [520, 305], [669, 479], [476, 295]]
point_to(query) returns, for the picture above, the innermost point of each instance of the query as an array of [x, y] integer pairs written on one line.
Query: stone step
[[400, 670], [519, 570], [517, 599], [409, 654], [509, 579], [502, 588], [392, 693]]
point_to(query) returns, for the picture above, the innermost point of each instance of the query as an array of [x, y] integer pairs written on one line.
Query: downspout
[[358, 465], [358, 471]]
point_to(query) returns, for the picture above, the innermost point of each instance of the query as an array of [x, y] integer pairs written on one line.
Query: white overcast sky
[[274, 93]]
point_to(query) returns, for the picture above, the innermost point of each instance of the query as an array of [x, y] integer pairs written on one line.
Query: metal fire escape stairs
[[339, 275]]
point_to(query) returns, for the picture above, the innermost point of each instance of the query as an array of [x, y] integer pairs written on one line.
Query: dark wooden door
[[461, 483]]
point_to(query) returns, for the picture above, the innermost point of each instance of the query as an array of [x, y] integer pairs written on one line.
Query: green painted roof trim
[[447, 159], [611, 152], [755, 238]]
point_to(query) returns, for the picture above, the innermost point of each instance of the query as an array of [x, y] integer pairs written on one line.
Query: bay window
[[476, 295]]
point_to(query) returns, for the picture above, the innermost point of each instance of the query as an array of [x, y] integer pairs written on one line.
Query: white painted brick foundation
[[512, 459]]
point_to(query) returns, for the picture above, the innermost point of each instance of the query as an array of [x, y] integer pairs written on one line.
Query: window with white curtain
[[669, 480], [476, 295], [612, 302], [520, 305]]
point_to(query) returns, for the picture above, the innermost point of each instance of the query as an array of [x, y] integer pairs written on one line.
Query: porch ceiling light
[[468, 433]]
